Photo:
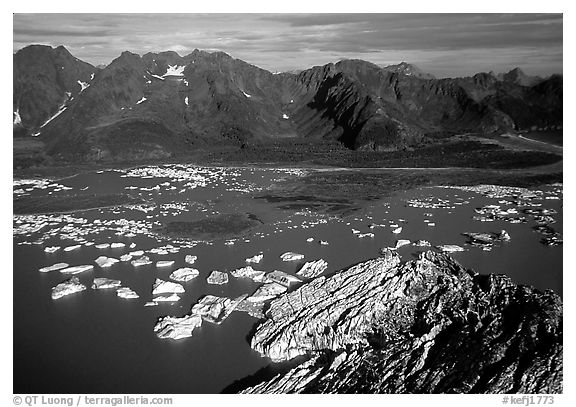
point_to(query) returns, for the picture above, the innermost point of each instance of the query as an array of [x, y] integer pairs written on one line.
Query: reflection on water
[[94, 341]]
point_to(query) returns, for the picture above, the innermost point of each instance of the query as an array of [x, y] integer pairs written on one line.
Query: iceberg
[[450, 248], [190, 259], [74, 247], [255, 259], [127, 293], [137, 253], [104, 261], [248, 272], [184, 274], [125, 257], [165, 263], [291, 256], [422, 243], [216, 309], [401, 242], [161, 287], [167, 298], [397, 230], [53, 267], [77, 269], [151, 304], [312, 269], [254, 309], [67, 287], [117, 245], [177, 328], [51, 249], [217, 277], [281, 277], [102, 246], [101, 283], [142, 261]]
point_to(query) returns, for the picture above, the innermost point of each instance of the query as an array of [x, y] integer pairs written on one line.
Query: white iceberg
[[217, 277], [291, 256], [150, 304], [74, 247], [51, 249], [397, 230], [257, 258], [184, 274], [105, 262], [165, 263], [117, 245], [67, 287], [142, 261], [54, 267], [281, 277], [401, 242], [77, 269], [450, 248], [137, 253], [125, 257], [101, 283], [102, 246], [127, 293], [177, 328], [312, 269], [190, 259], [167, 298], [248, 272], [162, 287]]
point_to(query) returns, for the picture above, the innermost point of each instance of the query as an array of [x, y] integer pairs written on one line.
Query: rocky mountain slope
[[424, 326], [163, 104]]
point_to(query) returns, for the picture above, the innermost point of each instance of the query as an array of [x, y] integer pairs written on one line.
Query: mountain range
[[159, 104]]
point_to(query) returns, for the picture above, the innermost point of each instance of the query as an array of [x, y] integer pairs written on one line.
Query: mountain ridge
[[160, 104]]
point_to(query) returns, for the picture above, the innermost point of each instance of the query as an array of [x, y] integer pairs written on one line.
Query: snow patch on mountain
[[174, 70]]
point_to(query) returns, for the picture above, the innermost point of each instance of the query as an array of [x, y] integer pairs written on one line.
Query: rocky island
[[423, 326]]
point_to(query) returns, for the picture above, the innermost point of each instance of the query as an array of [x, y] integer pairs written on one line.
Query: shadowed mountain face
[[161, 105]]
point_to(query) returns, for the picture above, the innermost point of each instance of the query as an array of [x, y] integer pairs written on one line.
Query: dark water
[[94, 341]]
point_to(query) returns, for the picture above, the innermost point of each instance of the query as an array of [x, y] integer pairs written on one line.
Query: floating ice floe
[[125, 257], [177, 327], [184, 274], [165, 263], [397, 230], [74, 247], [401, 242], [127, 293], [51, 249], [142, 261], [323, 243], [255, 259], [362, 235], [102, 283], [67, 287], [217, 277], [291, 256], [422, 243], [117, 245], [54, 267], [190, 259], [312, 269], [285, 116], [105, 262], [150, 304], [137, 253], [77, 269], [450, 248], [167, 298], [310, 239], [431, 224], [281, 277], [163, 287], [248, 272], [254, 309], [215, 309], [102, 245]]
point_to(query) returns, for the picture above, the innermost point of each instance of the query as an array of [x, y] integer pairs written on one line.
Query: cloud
[[446, 44]]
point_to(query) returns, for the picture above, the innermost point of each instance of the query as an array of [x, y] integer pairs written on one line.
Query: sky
[[446, 45]]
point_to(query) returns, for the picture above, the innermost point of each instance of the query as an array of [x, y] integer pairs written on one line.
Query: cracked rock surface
[[424, 326]]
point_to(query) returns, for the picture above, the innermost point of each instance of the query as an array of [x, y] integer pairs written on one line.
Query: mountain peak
[[408, 69]]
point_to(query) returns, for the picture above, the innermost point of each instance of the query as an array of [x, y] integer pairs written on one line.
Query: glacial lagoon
[[96, 341]]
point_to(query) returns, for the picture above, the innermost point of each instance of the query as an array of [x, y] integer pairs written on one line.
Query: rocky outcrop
[[424, 326]]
